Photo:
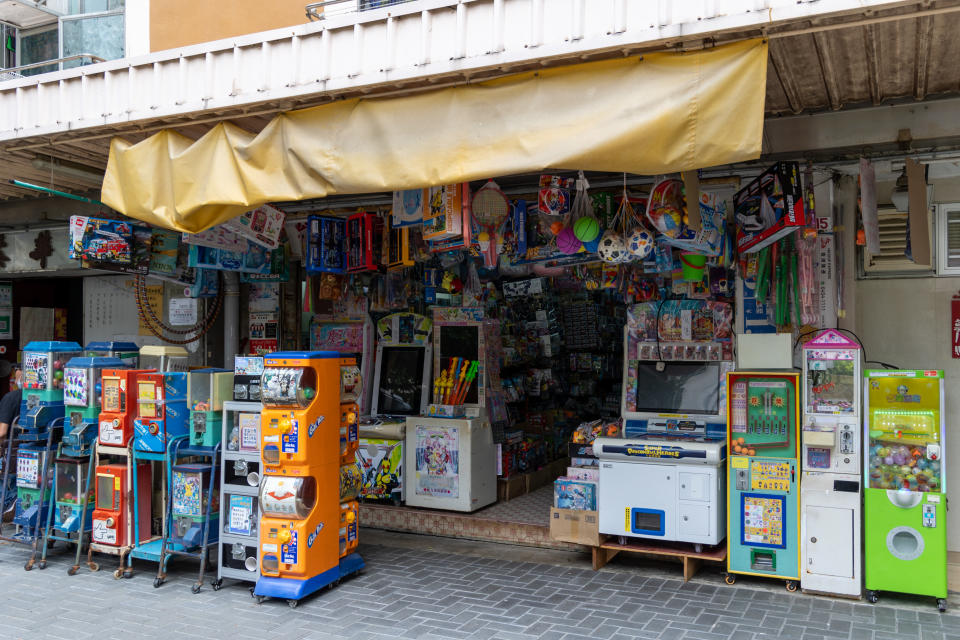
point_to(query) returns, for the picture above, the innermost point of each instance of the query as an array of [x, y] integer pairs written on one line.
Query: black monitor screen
[[401, 381], [679, 388]]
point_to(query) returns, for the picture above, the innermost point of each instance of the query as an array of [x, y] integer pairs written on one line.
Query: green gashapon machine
[[206, 391], [905, 499]]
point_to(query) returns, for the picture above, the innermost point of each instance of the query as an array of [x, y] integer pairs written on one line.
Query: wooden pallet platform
[[691, 558]]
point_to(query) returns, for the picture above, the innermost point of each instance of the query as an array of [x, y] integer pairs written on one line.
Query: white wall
[[906, 322]]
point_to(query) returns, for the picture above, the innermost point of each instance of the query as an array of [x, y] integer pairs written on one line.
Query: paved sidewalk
[[424, 587]]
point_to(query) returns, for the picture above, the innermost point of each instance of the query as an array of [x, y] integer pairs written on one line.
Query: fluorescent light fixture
[[67, 171]]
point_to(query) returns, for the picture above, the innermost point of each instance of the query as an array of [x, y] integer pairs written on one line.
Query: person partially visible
[[10, 404], [9, 410]]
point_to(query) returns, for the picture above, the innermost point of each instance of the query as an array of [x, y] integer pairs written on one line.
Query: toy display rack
[[610, 546], [122, 570]]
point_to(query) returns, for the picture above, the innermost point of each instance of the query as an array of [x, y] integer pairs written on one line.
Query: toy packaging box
[[570, 493], [590, 474], [577, 527], [261, 225], [770, 207], [101, 240], [443, 212]]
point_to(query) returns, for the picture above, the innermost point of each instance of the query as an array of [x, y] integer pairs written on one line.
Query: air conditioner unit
[[892, 260]]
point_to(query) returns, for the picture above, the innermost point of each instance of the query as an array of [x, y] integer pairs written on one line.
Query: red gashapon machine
[[117, 411], [112, 519]]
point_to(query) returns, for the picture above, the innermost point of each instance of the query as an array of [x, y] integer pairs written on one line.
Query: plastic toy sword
[[471, 376], [449, 379], [462, 375]]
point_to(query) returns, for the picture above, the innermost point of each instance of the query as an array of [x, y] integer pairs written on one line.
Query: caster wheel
[[28, 566], [72, 571], [118, 574], [42, 565], [128, 573], [293, 603], [157, 582], [791, 586], [698, 548], [260, 599], [252, 595], [621, 540], [730, 578], [217, 585], [195, 588], [941, 605], [93, 566], [873, 597]]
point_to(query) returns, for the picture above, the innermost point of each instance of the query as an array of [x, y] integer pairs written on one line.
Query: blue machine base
[[151, 550], [289, 589]]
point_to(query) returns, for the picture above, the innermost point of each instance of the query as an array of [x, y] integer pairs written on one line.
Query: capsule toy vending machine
[[763, 475], [830, 500], [112, 524], [207, 389], [308, 432], [42, 401], [161, 410], [905, 498], [118, 406], [82, 391], [240, 503], [127, 352]]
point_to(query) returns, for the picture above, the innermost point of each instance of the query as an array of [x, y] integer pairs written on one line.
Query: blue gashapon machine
[[38, 432], [42, 402]]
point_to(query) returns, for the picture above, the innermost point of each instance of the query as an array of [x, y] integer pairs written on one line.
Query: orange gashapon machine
[[308, 431], [117, 411]]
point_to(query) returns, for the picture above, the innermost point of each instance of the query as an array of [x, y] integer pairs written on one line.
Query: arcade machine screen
[[692, 388], [401, 381]]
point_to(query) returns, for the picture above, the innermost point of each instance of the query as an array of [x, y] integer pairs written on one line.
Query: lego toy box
[[578, 527], [769, 208], [101, 240]]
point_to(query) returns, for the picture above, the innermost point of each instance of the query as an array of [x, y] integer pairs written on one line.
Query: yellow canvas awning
[[647, 115]]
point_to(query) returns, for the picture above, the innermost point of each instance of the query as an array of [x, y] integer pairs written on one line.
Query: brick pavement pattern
[[420, 593]]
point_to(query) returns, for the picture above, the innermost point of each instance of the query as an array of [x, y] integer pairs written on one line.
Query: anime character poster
[[381, 463], [438, 462]]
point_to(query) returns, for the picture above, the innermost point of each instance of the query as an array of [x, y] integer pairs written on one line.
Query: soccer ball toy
[[640, 243], [611, 247]]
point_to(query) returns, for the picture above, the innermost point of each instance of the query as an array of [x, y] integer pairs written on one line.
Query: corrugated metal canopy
[[874, 63]]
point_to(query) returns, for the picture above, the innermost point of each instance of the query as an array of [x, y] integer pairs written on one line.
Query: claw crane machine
[[763, 475], [308, 531], [830, 484], [905, 499]]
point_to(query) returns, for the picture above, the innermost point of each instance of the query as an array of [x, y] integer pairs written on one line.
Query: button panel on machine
[[770, 476]]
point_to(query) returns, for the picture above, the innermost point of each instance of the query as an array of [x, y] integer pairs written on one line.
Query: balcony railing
[[329, 8], [13, 73]]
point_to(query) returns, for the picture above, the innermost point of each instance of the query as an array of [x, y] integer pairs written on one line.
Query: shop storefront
[[617, 306]]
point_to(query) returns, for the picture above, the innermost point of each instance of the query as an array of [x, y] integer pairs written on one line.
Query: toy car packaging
[[101, 240], [769, 208]]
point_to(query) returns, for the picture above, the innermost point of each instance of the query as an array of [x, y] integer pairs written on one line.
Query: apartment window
[[948, 239]]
